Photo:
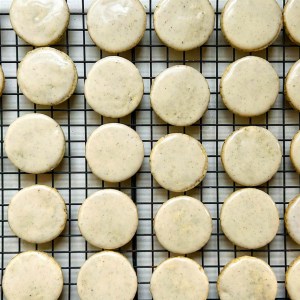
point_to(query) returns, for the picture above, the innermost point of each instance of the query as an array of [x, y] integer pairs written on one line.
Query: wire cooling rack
[[75, 181]]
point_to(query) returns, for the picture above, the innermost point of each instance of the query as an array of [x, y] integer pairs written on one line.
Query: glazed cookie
[[179, 278], [47, 76], [249, 218], [114, 87], [107, 275], [292, 279], [116, 26], [37, 214], [114, 152], [32, 275], [2, 81], [39, 23], [292, 219], [251, 156], [291, 19], [183, 225], [35, 143], [295, 151], [184, 25], [251, 25], [247, 278], [249, 86], [292, 86], [180, 95], [178, 162], [108, 219]]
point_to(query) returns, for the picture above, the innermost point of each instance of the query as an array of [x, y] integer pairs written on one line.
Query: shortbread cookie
[[251, 25], [249, 218], [108, 219], [249, 86], [114, 152], [295, 151], [247, 278], [292, 219], [292, 86], [37, 214], [114, 87], [291, 19], [47, 76], [107, 275], [116, 25], [292, 279], [183, 225], [251, 156], [184, 25], [180, 95], [39, 23], [2, 81], [35, 143], [178, 162], [179, 278], [32, 275]]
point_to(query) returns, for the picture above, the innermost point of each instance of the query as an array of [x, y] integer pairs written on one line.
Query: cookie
[[292, 279], [249, 218], [184, 25], [107, 275], [35, 143], [292, 86], [114, 87], [180, 95], [108, 219], [251, 25], [2, 81], [247, 278], [179, 278], [47, 76], [249, 87], [37, 214], [114, 152], [292, 219], [295, 151], [32, 275], [39, 23], [291, 20], [115, 25], [251, 156], [183, 225], [178, 162]]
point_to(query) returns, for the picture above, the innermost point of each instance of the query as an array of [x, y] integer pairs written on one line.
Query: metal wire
[[75, 182]]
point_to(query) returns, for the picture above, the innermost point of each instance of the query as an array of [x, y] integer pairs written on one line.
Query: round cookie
[[2, 81], [180, 95], [291, 20], [114, 152], [107, 275], [32, 275], [251, 156], [179, 278], [37, 214], [183, 225], [249, 86], [249, 218], [116, 26], [47, 76], [184, 25], [251, 25], [114, 87], [295, 151], [292, 219], [292, 279], [108, 219], [178, 162], [35, 143], [39, 23], [292, 86], [247, 278]]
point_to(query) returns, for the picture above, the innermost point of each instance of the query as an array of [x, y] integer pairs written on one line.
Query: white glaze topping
[[291, 18], [295, 151], [2, 81], [292, 86], [292, 279], [292, 219]]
